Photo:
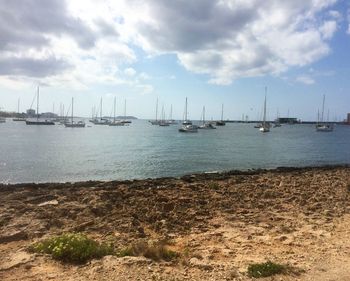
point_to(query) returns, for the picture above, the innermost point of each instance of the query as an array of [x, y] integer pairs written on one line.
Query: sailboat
[[100, 121], [163, 122], [156, 121], [323, 127], [37, 121], [18, 118], [72, 124], [277, 121], [115, 122], [265, 128], [205, 125], [171, 121], [187, 126], [185, 121], [124, 120], [221, 122]]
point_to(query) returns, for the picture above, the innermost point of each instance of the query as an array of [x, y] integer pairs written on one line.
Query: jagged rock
[[14, 235]]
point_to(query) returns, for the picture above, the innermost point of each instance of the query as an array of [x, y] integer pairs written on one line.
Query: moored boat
[[72, 123], [38, 121], [265, 126]]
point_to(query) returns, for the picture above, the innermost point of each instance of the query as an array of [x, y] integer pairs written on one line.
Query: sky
[[212, 51]]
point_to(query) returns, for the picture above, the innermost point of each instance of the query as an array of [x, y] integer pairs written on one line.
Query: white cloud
[[85, 42], [232, 39], [130, 71], [328, 28], [335, 15], [305, 80]]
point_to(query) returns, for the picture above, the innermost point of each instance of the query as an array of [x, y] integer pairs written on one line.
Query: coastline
[[198, 175], [226, 220]]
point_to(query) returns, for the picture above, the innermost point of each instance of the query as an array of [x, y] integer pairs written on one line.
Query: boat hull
[[46, 122], [68, 125], [220, 123], [188, 129]]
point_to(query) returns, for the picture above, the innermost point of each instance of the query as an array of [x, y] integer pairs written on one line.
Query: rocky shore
[[219, 223]]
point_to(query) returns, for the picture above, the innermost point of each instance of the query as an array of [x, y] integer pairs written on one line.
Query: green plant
[[266, 269], [72, 247], [155, 251], [214, 185]]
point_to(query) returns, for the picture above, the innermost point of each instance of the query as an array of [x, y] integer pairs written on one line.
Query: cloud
[[27, 66], [130, 71], [228, 40], [327, 29], [305, 80], [28, 23], [84, 42]]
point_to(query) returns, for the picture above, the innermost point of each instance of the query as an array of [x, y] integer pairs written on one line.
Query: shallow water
[[59, 154]]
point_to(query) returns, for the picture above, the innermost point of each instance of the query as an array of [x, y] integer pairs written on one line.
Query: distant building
[[348, 121], [287, 120], [30, 112]]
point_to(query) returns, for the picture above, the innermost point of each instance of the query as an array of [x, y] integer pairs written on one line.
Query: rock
[[52, 202], [15, 260], [200, 264], [13, 236]]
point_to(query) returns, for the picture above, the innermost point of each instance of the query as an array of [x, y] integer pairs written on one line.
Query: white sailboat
[[323, 126], [171, 121], [156, 121], [221, 122], [124, 120], [115, 122], [163, 122], [206, 125], [101, 121], [265, 128], [18, 118], [38, 121], [185, 121], [187, 126], [72, 124]]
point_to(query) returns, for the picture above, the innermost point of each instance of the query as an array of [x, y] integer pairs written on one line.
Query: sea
[[140, 150]]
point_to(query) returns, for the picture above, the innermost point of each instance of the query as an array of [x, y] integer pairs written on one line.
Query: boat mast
[[72, 108], [18, 106], [171, 112], [101, 109], [115, 104], [222, 112], [163, 114], [125, 109], [203, 115], [157, 110], [264, 118], [323, 108], [37, 105], [186, 110]]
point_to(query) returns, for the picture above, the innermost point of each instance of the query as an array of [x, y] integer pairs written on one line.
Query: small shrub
[[72, 247], [155, 251], [214, 185], [266, 269]]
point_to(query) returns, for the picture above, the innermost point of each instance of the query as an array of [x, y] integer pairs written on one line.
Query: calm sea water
[[59, 154]]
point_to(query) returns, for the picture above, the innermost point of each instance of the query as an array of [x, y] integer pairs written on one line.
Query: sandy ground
[[220, 223]]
